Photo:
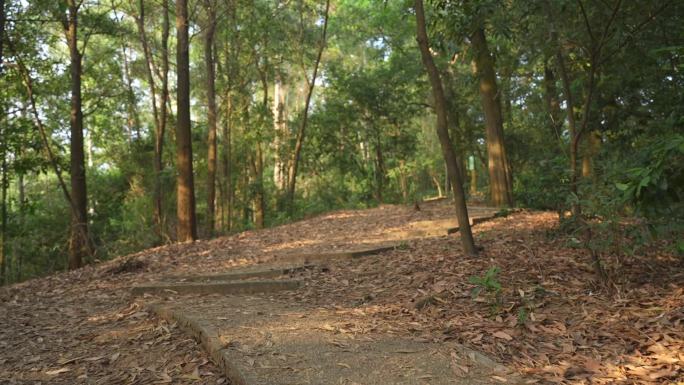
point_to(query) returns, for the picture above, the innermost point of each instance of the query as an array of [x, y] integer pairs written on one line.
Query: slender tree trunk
[[185, 205], [592, 146], [79, 245], [257, 172], [227, 162], [159, 109], [3, 229], [473, 179], [552, 102], [575, 130], [443, 132], [294, 162], [379, 168], [3, 152], [499, 180], [211, 115], [437, 183], [403, 181], [161, 131], [280, 126], [258, 163], [133, 119]]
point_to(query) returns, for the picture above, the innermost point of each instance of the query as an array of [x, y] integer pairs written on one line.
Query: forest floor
[[551, 322]]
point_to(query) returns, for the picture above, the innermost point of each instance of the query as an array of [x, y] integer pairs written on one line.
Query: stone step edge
[[207, 336], [236, 276], [218, 287], [309, 258]]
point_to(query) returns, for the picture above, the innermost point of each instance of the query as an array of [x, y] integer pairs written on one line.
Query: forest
[[132, 124], [469, 178]]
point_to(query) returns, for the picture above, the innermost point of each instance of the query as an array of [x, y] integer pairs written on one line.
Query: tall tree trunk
[[3, 149], [211, 115], [575, 130], [79, 245], [592, 146], [443, 132], [258, 202], [3, 209], [379, 168], [499, 180], [185, 204], [257, 174], [227, 161], [280, 127], [403, 181], [161, 127], [159, 109], [294, 162], [133, 119], [473, 179]]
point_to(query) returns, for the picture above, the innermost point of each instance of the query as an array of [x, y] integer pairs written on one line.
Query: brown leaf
[[57, 371], [503, 336]]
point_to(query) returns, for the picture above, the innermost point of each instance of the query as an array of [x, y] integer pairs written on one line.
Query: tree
[[500, 182], [158, 103], [3, 153], [453, 168], [79, 243], [299, 141], [185, 205], [209, 62]]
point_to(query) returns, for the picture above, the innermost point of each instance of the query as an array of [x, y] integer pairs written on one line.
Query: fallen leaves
[[83, 320], [503, 335], [55, 372]]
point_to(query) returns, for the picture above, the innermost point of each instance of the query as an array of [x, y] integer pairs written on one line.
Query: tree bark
[[79, 244], [210, 65], [592, 146], [499, 179], [3, 148], [294, 162], [379, 169], [443, 132], [280, 126], [159, 110], [227, 199], [133, 119], [185, 204], [575, 130], [3, 188], [161, 127]]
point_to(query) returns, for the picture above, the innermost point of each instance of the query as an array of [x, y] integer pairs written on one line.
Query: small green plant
[[403, 246], [523, 315], [490, 286]]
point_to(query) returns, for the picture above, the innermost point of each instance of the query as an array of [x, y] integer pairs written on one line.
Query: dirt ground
[[551, 321]]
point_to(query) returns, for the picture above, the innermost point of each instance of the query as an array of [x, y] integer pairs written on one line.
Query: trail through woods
[[550, 322]]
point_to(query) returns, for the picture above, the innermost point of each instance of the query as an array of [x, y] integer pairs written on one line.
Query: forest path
[[260, 328], [552, 322]]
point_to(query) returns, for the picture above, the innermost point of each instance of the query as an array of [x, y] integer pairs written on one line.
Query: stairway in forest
[[254, 326]]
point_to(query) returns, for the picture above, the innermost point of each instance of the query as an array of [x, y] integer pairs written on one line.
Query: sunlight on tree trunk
[[209, 62], [443, 133], [499, 170], [187, 225], [299, 142], [79, 244]]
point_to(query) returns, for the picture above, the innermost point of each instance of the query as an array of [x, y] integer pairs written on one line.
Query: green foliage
[[489, 285], [655, 188]]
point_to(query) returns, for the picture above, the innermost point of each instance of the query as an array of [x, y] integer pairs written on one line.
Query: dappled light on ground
[[552, 321]]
